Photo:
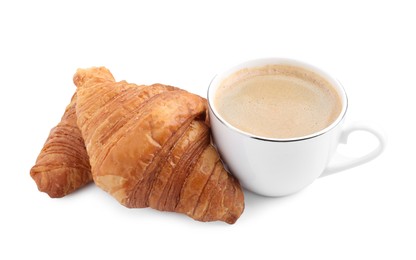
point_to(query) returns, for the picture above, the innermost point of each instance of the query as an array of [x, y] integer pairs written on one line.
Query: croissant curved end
[[84, 75]]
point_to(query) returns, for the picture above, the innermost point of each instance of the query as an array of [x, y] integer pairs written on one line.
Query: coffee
[[277, 101]]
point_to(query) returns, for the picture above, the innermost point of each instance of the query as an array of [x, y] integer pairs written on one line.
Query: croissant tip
[[83, 75], [230, 219], [43, 185]]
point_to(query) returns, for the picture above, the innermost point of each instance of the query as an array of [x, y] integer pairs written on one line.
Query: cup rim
[[277, 61]]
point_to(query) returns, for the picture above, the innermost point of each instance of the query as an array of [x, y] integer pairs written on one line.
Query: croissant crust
[[147, 146], [63, 165]]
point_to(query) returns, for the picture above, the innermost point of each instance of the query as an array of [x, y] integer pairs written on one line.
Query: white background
[[363, 213]]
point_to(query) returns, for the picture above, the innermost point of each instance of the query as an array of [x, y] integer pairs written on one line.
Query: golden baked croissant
[[149, 146], [63, 165]]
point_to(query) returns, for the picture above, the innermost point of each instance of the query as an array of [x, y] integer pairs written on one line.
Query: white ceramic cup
[[279, 167]]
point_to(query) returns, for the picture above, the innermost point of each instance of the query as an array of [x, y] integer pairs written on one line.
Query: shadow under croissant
[[148, 146]]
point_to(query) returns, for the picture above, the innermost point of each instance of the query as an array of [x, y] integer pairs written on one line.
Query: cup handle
[[346, 162]]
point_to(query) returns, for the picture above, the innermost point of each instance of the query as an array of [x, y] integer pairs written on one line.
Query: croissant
[[63, 164], [149, 146]]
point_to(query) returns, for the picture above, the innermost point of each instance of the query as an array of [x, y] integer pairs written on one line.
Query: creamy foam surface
[[278, 101]]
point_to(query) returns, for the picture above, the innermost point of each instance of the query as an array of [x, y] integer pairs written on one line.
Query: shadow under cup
[[273, 166]]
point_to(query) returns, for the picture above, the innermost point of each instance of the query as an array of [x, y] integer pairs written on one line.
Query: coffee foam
[[277, 101]]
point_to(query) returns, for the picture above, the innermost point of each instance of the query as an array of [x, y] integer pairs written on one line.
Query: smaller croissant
[[149, 146], [63, 164]]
